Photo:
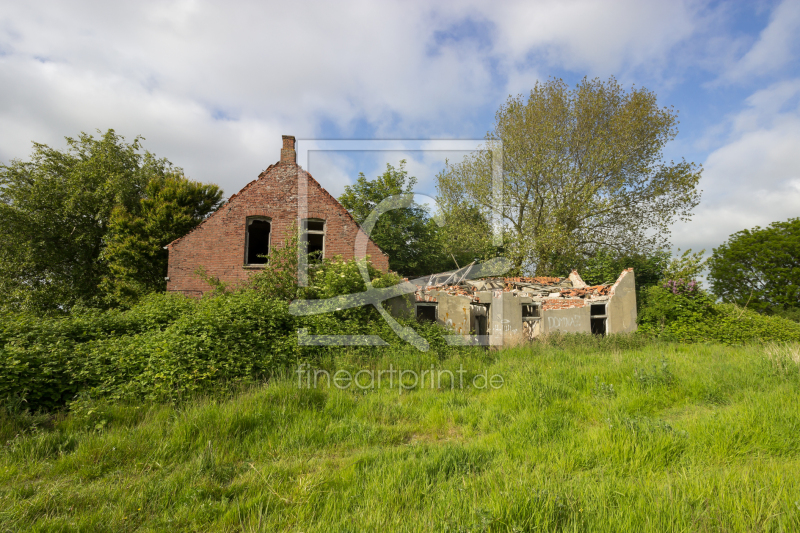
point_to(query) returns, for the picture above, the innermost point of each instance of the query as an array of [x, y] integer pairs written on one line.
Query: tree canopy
[[605, 267], [56, 218], [759, 267], [408, 235], [134, 252], [583, 170]]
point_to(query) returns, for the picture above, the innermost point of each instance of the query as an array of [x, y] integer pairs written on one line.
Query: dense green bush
[[167, 345], [758, 268], [682, 312]]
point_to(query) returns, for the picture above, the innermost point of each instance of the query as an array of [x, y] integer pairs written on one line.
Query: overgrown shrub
[[167, 346], [682, 312]]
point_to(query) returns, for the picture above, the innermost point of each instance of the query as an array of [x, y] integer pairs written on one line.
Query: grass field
[[586, 436]]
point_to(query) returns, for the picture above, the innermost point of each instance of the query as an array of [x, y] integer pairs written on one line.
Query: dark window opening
[[530, 311], [426, 312], [598, 326], [315, 225], [481, 325], [598, 309], [315, 244], [314, 239], [258, 231]]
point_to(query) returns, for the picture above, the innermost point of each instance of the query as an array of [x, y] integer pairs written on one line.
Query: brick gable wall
[[218, 244]]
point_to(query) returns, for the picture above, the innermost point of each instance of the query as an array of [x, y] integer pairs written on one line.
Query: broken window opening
[[598, 309], [531, 311], [598, 326], [257, 241], [315, 225], [314, 239], [426, 312], [481, 325]]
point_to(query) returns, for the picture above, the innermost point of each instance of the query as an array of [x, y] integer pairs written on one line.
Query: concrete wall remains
[[521, 309], [505, 323], [454, 313], [566, 320], [401, 306], [622, 304]]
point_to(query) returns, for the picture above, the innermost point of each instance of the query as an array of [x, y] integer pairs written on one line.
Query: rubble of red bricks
[[551, 291]]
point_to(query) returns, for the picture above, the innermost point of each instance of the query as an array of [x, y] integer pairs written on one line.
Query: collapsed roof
[[536, 288]]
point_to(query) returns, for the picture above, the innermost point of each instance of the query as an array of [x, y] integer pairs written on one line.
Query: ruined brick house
[[514, 310], [235, 241]]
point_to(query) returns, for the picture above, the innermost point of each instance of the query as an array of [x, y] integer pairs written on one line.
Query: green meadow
[[583, 434]]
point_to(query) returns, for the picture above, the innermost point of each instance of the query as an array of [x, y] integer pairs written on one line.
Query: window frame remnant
[[256, 261], [598, 309], [531, 310], [320, 227], [598, 318]]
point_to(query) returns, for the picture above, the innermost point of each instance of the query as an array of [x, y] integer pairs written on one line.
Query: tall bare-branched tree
[[583, 170]]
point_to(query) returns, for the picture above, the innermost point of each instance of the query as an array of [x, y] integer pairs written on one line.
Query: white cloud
[[223, 152], [213, 86], [776, 47], [754, 178], [599, 37]]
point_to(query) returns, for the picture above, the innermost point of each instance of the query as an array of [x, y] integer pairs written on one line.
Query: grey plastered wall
[[484, 297], [454, 313], [512, 314], [402, 306], [572, 320], [505, 322], [622, 305]]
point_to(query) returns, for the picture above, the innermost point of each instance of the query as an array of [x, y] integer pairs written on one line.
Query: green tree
[[582, 171], [650, 270], [58, 210], [134, 251], [408, 235], [459, 248], [54, 215], [687, 267], [606, 265], [759, 268]]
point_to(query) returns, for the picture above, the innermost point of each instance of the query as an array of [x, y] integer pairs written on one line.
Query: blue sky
[[213, 86]]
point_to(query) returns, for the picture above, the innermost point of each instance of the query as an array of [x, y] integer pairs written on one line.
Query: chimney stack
[[288, 155]]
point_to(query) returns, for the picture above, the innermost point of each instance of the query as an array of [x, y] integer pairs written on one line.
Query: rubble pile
[[536, 288]]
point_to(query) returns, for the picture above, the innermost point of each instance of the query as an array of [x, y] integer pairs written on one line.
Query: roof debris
[[536, 288]]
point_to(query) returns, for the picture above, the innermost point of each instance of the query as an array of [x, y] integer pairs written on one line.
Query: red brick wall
[[218, 244], [565, 303]]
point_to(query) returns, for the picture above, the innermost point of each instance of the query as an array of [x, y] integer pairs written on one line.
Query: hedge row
[[693, 316], [170, 345]]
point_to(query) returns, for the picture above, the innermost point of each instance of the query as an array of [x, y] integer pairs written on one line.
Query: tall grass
[[610, 434]]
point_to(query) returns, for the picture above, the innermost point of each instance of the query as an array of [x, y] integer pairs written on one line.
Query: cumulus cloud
[[213, 86], [597, 37], [754, 177], [776, 47]]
